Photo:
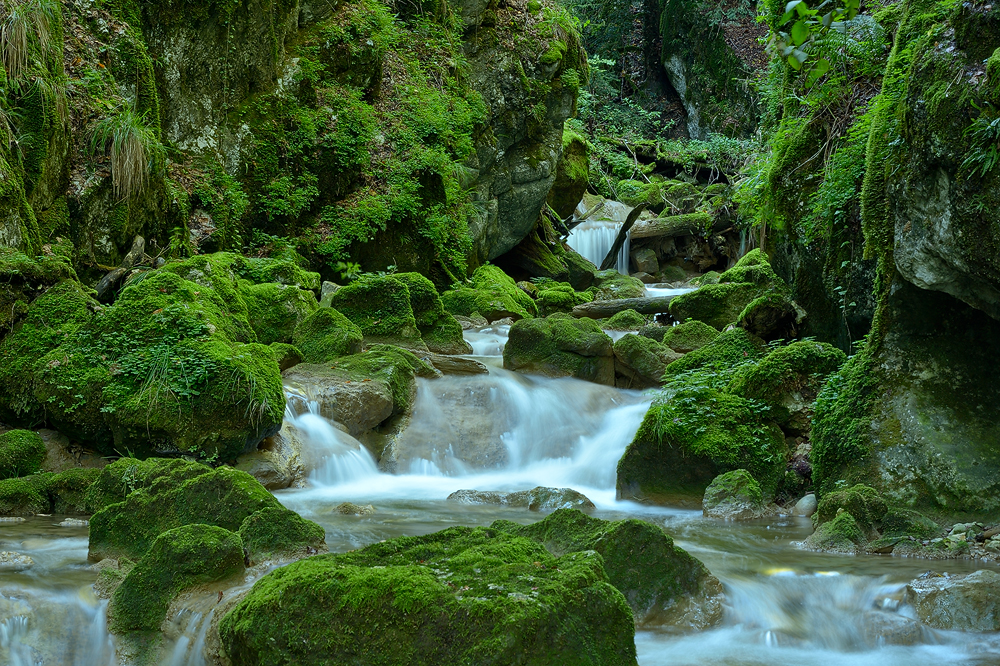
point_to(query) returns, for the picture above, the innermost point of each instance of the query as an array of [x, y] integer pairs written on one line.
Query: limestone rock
[[536, 499], [560, 346], [960, 603]]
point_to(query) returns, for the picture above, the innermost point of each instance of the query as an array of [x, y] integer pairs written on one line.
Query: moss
[[862, 502], [459, 596], [897, 523], [689, 336], [735, 494], [123, 476], [717, 305], [22, 279], [572, 175], [610, 285], [644, 360], [395, 366], [772, 316], [581, 270], [326, 334], [727, 351], [560, 346], [673, 273], [800, 367], [275, 310], [626, 320], [286, 355], [840, 535], [642, 561], [177, 493], [178, 559], [559, 297], [21, 453], [25, 496], [440, 331], [493, 294], [711, 277], [277, 531], [380, 307], [68, 490]]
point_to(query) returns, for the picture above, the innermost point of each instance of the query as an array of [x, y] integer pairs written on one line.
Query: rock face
[[536, 499], [561, 346], [471, 595], [961, 603]]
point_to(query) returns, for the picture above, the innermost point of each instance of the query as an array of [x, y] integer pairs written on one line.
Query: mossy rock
[[69, 489], [380, 307], [279, 532], [396, 367], [735, 495], [689, 336], [179, 558], [286, 355], [24, 278], [560, 346], [581, 270], [275, 310], [770, 317], [672, 273], [463, 595], [21, 453], [727, 351], [611, 285], [439, 330], [559, 297], [711, 277], [626, 320], [789, 378], [717, 305], [492, 294], [125, 475], [572, 175], [864, 503], [178, 493], [908, 523], [662, 583], [25, 496], [641, 361], [842, 534], [327, 334]]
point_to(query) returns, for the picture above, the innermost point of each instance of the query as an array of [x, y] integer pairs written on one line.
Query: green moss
[[178, 559], [559, 346], [772, 316], [458, 596], [176, 493], [581, 271], [395, 366], [862, 502], [277, 531], [380, 307], [21, 453], [125, 475], [286, 355], [656, 577], [717, 305], [25, 496], [559, 297], [440, 331], [689, 336], [735, 494], [644, 357], [898, 523], [69, 489], [840, 535], [572, 175], [626, 320], [493, 294], [610, 285], [725, 353], [325, 335], [275, 310]]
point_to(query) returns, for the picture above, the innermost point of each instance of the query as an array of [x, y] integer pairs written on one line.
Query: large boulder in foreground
[[460, 596], [959, 603], [561, 346], [663, 584]]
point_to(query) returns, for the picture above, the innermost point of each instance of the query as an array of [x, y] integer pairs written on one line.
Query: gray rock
[[645, 261], [805, 506], [884, 628], [11, 561], [352, 509], [456, 365], [961, 603], [536, 499], [277, 461], [327, 290]]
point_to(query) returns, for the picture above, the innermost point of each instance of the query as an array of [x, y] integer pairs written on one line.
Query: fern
[[984, 148]]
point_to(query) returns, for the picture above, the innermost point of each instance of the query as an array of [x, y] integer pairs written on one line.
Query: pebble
[[805, 506], [11, 561], [74, 522]]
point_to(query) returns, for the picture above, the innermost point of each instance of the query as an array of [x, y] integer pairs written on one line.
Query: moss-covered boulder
[[561, 346], [279, 532], [726, 353], [772, 316], [463, 595], [640, 361], [23, 279], [25, 496], [581, 270], [863, 503], [363, 390], [662, 583], [559, 297], [840, 535], [788, 381], [380, 306], [326, 334], [274, 310], [21, 453], [169, 494], [689, 336], [286, 355], [611, 285], [735, 495], [626, 320], [439, 330], [572, 175], [68, 490], [178, 558], [492, 294]]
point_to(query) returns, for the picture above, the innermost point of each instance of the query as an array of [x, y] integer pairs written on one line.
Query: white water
[[593, 240], [664, 289], [488, 341]]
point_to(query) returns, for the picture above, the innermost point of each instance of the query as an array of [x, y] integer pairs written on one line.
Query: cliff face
[[424, 137]]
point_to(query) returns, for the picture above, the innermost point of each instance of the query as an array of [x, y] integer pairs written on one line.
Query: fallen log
[[612, 257], [602, 309], [690, 224]]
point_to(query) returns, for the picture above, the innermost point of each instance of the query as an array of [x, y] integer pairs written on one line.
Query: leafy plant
[[984, 140], [804, 34], [133, 147]]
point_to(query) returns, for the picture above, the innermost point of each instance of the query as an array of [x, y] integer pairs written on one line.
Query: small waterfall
[[343, 457], [488, 341], [593, 240], [189, 650], [12, 633]]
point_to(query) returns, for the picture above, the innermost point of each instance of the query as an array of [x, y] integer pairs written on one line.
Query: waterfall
[[593, 240], [343, 458]]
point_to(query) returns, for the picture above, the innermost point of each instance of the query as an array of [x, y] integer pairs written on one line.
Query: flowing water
[[505, 431], [593, 240]]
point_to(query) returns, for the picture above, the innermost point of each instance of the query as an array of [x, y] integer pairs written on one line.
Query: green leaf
[[794, 63], [800, 32], [818, 70], [802, 8]]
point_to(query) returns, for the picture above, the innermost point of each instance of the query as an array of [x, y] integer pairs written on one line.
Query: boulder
[[277, 532], [462, 595], [958, 603], [663, 584], [559, 297], [772, 316], [572, 175], [536, 499], [862, 502], [560, 346], [734, 496], [491, 294], [641, 361], [645, 261], [805, 506], [626, 320], [326, 334], [688, 337], [840, 535], [380, 306], [21, 453], [611, 285], [439, 330], [11, 561]]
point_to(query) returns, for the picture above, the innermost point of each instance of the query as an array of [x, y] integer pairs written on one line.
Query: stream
[[505, 431]]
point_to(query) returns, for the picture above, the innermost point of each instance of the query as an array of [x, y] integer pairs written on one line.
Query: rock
[[581, 270], [474, 321], [467, 584], [25, 496], [59, 457], [611, 285], [772, 316], [865, 504], [179, 558], [74, 522], [840, 535], [663, 584], [21, 453], [380, 306], [362, 391], [644, 278], [68, 490], [560, 346], [734, 496], [492, 295], [326, 292], [645, 261], [883, 628], [456, 365], [640, 361], [325, 335], [572, 175], [600, 309], [626, 320], [439, 330], [11, 561], [286, 355], [689, 336], [958, 603], [351, 509], [559, 297], [277, 532], [805, 506], [277, 462], [536, 499]]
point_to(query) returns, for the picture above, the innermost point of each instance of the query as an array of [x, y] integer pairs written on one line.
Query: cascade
[[593, 239]]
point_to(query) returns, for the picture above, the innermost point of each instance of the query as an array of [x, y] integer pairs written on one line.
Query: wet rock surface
[[962, 603], [536, 499]]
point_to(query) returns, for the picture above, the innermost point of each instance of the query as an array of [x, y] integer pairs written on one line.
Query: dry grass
[[24, 22], [132, 147]]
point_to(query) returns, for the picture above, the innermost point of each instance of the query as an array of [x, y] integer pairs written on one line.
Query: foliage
[[27, 23], [804, 34], [133, 147], [984, 139]]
